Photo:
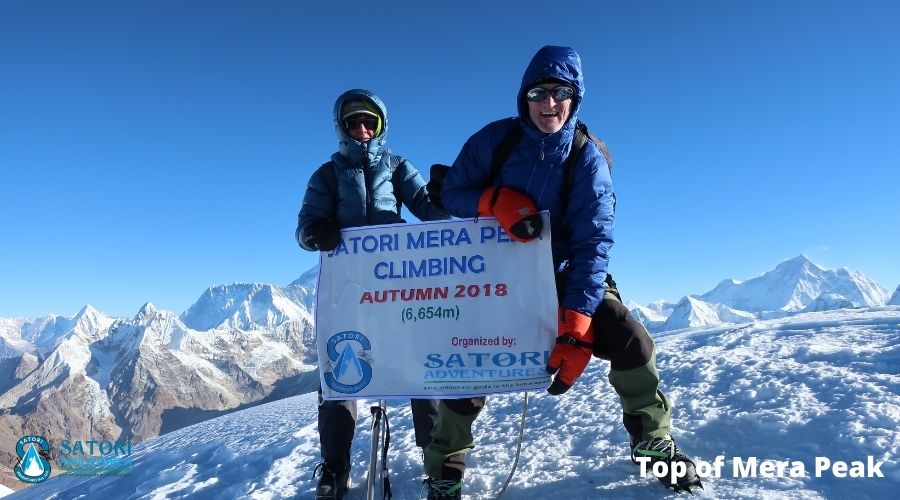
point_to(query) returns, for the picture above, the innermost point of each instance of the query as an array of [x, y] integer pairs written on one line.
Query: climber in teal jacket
[[363, 185]]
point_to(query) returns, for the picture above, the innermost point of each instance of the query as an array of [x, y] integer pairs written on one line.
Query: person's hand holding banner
[[515, 212], [323, 235]]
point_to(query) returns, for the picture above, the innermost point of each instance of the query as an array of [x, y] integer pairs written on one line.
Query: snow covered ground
[[820, 384]]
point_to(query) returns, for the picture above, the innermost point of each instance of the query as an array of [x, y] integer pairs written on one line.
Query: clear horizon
[[150, 151]]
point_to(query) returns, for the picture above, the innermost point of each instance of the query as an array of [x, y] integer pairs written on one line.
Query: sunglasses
[[370, 122], [538, 94]]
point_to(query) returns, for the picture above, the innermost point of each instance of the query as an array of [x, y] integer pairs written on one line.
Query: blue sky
[[149, 150]]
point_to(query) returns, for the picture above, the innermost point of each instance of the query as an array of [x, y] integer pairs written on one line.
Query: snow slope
[[895, 298], [819, 384]]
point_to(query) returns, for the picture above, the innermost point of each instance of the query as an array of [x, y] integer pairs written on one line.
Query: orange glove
[[573, 350], [515, 212]]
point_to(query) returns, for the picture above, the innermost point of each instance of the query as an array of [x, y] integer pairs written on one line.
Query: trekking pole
[[518, 447], [373, 452], [380, 434]]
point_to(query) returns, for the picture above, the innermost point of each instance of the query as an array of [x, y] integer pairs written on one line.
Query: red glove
[[514, 211], [573, 350]]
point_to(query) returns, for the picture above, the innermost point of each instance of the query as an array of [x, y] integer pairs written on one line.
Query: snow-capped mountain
[[828, 302], [15, 368], [41, 335], [794, 390], [248, 306], [647, 316], [308, 280], [11, 342], [662, 307], [895, 298], [692, 312], [795, 285]]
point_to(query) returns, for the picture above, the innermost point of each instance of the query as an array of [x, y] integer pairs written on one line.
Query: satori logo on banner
[[349, 369]]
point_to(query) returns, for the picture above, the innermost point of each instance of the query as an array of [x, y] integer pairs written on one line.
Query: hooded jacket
[[363, 184], [583, 235]]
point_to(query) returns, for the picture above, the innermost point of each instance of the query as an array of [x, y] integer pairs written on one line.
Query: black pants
[[337, 423]]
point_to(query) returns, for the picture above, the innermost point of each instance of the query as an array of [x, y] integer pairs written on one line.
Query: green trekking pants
[[452, 437], [620, 339]]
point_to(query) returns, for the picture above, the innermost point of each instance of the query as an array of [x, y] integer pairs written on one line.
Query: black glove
[[558, 387], [435, 183], [323, 234]]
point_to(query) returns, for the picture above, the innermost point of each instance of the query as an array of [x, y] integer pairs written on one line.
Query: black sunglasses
[[538, 94], [370, 122]]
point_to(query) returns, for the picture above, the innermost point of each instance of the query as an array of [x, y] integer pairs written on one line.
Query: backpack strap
[[580, 139], [501, 153], [578, 142], [513, 135], [601, 144]]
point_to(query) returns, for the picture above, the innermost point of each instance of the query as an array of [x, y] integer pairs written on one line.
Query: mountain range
[[239, 345], [795, 285], [96, 377]]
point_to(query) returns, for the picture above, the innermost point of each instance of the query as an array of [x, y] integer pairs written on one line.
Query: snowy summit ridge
[[795, 285], [248, 306]]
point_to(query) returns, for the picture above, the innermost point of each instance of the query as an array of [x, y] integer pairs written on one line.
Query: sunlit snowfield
[[812, 385]]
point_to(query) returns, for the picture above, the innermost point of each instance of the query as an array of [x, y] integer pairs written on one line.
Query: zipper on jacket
[[367, 183]]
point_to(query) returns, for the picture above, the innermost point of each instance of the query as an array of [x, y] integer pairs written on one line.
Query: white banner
[[435, 310]]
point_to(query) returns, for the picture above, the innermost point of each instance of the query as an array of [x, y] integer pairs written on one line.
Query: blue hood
[[358, 152], [561, 63]]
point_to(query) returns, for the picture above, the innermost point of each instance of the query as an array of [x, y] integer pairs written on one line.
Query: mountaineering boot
[[333, 482], [444, 489], [665, 450]]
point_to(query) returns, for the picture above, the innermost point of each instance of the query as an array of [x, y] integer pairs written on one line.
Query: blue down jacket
[[582, 236], [364, 184]]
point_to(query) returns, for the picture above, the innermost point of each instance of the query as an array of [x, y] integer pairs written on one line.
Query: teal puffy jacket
[[363, 184]]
